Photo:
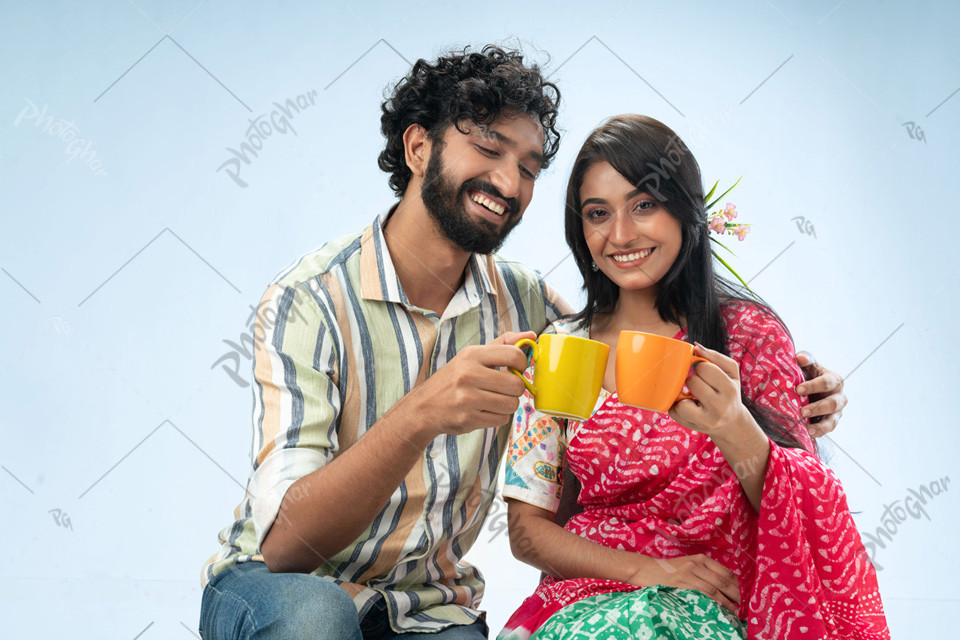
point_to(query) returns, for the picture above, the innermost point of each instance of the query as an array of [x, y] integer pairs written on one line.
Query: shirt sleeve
[[296, 399], [556, 306], [534, 469], [769, 373]]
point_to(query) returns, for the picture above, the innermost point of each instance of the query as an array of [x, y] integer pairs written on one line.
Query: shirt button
[[429, 517], [433, 453]]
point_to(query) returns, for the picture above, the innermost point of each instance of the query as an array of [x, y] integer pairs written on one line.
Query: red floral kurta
[[655, 487]]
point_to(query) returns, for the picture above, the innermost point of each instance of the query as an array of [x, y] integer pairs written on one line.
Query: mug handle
[[536, 351], [683, 394]]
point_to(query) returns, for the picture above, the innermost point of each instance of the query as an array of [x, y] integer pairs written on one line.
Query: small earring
[[593, 266]]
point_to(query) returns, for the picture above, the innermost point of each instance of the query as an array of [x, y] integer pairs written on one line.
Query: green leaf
[[720, 197], [737, 275], [722, 245], [707, 197]]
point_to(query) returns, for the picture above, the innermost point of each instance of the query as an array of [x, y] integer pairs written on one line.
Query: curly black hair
[[463, 85]]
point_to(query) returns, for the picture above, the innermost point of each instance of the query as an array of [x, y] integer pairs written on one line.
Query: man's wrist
[[412, 422]]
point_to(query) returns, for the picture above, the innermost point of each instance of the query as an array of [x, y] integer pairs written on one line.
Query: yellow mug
[[567, 374], [651, 370]]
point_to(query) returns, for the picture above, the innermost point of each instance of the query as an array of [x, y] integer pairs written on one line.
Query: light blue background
[[119, 289]]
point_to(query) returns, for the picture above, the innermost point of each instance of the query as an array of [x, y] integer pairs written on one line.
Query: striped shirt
[[337, 343]]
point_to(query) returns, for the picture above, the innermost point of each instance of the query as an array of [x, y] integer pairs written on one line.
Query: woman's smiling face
[[632, 238]]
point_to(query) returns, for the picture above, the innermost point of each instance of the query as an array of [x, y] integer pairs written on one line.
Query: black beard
[[445, 204]]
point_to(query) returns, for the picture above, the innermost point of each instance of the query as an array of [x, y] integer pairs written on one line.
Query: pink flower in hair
[[730, 211], [741, 231], [717, 225]]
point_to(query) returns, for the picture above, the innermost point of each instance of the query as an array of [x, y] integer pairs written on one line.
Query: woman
[[717, 520]]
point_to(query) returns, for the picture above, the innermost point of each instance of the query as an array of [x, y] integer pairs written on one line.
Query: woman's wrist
[[748, 453], [637, 569], [746, 449], [742, 437]]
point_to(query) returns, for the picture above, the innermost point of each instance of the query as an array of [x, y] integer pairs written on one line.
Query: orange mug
[[651, 370]]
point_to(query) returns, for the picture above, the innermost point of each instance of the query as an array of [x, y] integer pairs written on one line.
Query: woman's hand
[[827, 399], [691, 572], [716, 409]]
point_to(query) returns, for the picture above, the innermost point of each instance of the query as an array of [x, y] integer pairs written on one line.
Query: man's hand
[[466, 394], [474, 390], [691, 572], [827, 399]]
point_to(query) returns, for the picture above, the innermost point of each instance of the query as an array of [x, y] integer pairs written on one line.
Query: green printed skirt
[[654, 612]]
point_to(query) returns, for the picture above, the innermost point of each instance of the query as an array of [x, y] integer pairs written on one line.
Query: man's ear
[[416, 149]]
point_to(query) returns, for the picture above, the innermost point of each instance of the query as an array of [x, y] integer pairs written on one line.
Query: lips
[[631, 258], [488, 202]]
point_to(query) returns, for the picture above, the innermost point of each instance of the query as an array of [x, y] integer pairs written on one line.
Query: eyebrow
[[632, 194], [490, 132]]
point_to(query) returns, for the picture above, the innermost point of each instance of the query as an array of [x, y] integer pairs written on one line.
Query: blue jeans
[[248, 602]]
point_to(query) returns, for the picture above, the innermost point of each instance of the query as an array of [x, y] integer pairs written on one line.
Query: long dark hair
[[652, 157]]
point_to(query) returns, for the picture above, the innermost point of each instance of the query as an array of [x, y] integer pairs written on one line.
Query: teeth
[[629, 257], [492, 206]]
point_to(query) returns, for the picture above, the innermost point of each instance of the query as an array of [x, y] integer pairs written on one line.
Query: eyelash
[[590, 215], [496, 154]]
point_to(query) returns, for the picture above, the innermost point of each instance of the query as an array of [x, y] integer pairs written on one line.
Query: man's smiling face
[[479, 179]]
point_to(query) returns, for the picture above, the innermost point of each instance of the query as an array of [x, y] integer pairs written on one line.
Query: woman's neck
[[635, 311]]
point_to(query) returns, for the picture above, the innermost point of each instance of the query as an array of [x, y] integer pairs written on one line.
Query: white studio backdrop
[[132, 249]]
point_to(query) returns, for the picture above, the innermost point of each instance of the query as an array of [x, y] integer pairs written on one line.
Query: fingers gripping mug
[[567, 374], [651, 370]]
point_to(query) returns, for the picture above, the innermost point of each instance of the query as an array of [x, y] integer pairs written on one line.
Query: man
[[381, 378]]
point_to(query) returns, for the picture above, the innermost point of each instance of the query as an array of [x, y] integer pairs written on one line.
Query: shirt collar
[[378, 276]]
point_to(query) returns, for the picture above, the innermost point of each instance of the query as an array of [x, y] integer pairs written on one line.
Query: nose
[[506, 178], [623, 229]]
